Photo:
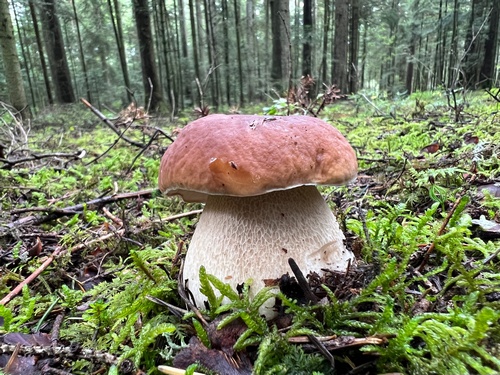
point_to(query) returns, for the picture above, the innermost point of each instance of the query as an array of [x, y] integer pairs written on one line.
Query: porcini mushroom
[[257, 176]]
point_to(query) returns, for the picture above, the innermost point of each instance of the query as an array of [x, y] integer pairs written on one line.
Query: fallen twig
[[9, 163], [439, 233], [110, 124], [71, 210], [57, 253], [31, 277]]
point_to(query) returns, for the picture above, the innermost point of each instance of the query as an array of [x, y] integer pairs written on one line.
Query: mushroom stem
[[242, 238]]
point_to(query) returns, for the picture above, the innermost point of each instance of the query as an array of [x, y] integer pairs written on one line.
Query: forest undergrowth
[[90, 251]]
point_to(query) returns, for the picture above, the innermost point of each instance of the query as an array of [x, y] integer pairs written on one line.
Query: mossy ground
[[427, 281]]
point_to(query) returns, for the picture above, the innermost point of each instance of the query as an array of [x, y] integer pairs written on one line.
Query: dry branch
[[71, 210], [9, 163], [110, 124]]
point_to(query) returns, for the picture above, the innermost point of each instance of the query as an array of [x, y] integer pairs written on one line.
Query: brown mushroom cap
[[246, 155]]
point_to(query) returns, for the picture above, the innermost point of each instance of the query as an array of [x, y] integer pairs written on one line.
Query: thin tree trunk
[[82, 55], [58, 62], [307, 38], [194, 42], [182, 29], [225, 32], [116, 20], [251, 51], [340, 45], [453, 73], [411, 48], [438, 66], [238, 50], [12, 67], [151, 83], [354, 47], [211, 45], [179, 74], [163, 38], [363, 56], [26, 57], [41, 53], [199, 31], [280, 25], [490, 48], [326, 32], [473, 42]]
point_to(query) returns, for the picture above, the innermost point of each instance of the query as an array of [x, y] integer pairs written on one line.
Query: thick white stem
[[238, 239]]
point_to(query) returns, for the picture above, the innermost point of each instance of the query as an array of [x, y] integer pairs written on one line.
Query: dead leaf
[[431, 149], [26, 339], [489, 228]]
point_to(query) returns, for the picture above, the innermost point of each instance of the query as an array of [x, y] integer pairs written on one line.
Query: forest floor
[[90, 251]]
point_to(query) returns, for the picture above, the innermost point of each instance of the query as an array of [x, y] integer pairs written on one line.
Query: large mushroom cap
[[246, 155]]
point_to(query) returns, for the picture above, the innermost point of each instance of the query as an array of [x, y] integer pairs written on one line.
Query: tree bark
[[82, 55], [490, 48], [307, 38], [194, 43], [453, 73], [280, 29], [411, 47], [238, 50], [340, 45], [41, 52], [251, 51], [25, 52], [354, 47], [56, 53], [473, 43], [12, 67], [116, 20], [227, 63], [151, 83], [326, 32], [212, 55]]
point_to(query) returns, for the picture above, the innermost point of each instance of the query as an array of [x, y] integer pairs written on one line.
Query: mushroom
[[257, 176]]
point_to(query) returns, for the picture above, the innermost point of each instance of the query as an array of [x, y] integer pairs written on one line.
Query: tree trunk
[[163, 36], [363, 55], [116, 20], [280, 28], [56, 53], [340, 45], [307, 38], [182, 29], [12, 67], [411, 47], [182, 52], [490, 48], [326, 32], [251, 51], [453, 73], [438, 62], [473, 43], [211, 45], [82, 55], [194, 43], [25, 51], [354, 47], [225, 32], [152, 88], [41, 53], [180, 72], [238, 49]]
